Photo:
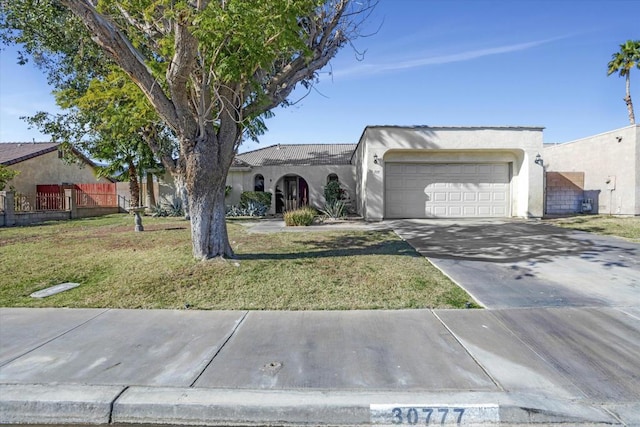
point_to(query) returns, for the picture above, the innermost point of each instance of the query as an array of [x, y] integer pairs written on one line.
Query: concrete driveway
[[514, 263]]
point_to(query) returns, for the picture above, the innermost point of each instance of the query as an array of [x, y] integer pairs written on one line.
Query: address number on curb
[[434, 415]]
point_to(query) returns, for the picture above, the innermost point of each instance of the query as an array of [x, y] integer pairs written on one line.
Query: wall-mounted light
[[538, 160], [375, 159], [619, 138]]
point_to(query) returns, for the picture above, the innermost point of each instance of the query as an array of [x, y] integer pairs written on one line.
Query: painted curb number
[[402, 414]]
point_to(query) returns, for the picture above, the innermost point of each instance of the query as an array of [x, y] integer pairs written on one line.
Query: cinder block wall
[[565, 192]]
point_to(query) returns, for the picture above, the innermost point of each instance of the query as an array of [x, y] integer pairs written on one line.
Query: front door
[[296, 192]]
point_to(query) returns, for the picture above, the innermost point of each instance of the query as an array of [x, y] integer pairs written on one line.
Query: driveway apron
[[518, 264]]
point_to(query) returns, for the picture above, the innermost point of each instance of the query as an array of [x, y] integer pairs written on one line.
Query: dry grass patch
[[625, 227], [154, 269]]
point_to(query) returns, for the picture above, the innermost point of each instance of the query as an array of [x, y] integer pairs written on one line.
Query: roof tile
[[299, 155], [16, 152]]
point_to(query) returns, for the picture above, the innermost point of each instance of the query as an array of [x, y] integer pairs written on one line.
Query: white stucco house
[[405, 172], [610, 166]]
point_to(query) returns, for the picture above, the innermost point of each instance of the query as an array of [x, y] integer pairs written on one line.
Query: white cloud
[[371, 69]]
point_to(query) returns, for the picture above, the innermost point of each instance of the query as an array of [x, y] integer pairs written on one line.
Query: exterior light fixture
[[375, 159], [538, 160]]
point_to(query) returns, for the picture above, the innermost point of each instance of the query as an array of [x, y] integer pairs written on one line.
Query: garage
[[447, 190]]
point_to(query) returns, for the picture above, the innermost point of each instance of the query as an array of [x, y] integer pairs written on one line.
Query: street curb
[[93, 404], [152, 405], [57, 404]]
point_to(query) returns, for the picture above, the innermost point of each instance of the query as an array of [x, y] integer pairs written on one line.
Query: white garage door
[[429, 190]]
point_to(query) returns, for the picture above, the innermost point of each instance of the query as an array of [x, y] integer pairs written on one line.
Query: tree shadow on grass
[[371, 243]]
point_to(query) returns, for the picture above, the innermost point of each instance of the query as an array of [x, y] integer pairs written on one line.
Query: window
[[258, 183], [332, 177]]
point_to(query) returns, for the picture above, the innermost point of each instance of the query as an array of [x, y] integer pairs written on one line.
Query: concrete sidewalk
[[469, 367]]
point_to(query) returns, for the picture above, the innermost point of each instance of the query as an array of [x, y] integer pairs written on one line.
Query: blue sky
[[439, 63]]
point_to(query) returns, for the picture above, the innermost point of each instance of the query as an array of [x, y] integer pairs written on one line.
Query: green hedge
[[261, 197]]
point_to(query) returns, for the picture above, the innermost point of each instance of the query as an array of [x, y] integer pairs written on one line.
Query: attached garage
[[447, 190], [449, 172]]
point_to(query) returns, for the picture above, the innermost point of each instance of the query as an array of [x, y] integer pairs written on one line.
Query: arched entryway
[[292, 192]]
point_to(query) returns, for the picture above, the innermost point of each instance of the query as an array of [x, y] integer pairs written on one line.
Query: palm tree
[[622, 62]]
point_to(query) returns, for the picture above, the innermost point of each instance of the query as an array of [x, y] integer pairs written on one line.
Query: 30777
[[427, 416]]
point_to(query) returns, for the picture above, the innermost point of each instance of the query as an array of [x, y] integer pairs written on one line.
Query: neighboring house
[[41, 163], [603, 170], [405, 172]]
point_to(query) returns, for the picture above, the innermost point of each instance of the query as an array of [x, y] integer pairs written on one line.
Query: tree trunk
[[134, 188], [207, 166], [181, 192], [208, 225], [151, 196], [627, 100]]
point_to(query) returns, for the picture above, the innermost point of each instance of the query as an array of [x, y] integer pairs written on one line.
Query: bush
[[252, 209], [332, 192], [300, 217], [171, 207], [261, 197], [335, 210]]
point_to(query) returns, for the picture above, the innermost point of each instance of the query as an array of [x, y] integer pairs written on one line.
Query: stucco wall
[[49, 169], [610, 162], [315, 176], [242, 180], [517, 146]]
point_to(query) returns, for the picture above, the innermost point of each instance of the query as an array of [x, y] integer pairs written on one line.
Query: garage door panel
[[439, 197], [485, 210], [470, 196], [470, 211], [484, 196], [447, 190]]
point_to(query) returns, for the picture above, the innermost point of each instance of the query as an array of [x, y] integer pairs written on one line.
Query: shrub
[[300, 217], [335, 210], [252, 209], [261, 197], [332, 192], [171, 207]]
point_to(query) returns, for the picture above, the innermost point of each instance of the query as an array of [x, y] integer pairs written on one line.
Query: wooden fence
[[51, 197]]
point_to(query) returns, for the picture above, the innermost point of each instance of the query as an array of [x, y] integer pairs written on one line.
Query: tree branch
[[106, 34]]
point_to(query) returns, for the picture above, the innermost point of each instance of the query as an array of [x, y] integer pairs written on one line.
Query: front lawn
[[119, 268], [625, 227]]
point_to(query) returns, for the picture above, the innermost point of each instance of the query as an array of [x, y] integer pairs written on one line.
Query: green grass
[[625, 227], [117, 267]]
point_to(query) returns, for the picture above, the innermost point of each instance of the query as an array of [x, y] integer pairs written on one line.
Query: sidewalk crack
[[224, 343], [54, 338], [113, 403], [459, 341]]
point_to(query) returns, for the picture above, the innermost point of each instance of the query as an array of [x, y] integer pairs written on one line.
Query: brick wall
[[565, 192]]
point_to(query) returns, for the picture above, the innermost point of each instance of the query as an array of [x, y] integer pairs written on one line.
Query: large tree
[[210, 68], [622, 62]]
